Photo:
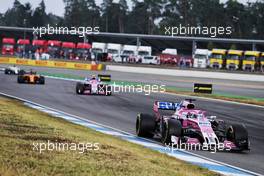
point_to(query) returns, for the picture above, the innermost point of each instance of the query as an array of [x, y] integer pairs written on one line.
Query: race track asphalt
[[119, 111], [220, 86]]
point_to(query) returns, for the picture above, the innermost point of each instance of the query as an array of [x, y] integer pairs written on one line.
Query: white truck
[[97, 49], [129, 50], [114, 51], [143, 51], [201, 58], [128, 54]]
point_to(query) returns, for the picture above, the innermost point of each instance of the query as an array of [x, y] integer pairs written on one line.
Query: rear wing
[[105, 78], [190, 99], [164, 105]]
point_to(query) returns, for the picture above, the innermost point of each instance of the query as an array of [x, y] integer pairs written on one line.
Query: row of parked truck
[[125, 53], [229, 59], [140, 54]]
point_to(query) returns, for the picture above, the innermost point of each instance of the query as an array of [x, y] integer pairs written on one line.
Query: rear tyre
[[79, 88], [20, 79], [238, 134], [145, 125], [41, 80], [170, 127]]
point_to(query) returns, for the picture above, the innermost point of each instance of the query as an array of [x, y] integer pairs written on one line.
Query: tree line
[[145, 17]]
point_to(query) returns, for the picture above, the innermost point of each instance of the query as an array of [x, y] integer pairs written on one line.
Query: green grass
[[21, 126], [62, 75], [182, 91]]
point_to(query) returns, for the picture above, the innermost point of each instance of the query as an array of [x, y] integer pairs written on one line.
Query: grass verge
[[21, 126], [170, 89]]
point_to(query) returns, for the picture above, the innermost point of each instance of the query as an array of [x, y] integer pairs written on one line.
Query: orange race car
[[31, 78]]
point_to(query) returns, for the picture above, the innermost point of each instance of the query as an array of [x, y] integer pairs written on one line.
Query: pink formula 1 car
[[188, 125], [94, 86]]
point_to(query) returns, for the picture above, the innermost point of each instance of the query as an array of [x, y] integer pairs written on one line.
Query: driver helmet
[[93, 77]]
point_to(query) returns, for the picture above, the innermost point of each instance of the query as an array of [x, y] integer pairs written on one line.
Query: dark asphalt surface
[[119, 111], [230, 87]]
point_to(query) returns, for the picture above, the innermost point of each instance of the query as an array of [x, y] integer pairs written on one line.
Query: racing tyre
[[170, 127], [20, 79], [41, 80], [145, 125], [8, 71], [79, 88], [238, 134]]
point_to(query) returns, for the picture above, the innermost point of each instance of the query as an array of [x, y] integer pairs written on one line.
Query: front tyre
[[79, 88], [170, 127], [238, 134], [145, 125], [41, 80]]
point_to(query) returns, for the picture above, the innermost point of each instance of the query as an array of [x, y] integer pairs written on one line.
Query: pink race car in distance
[[94, 86], [188, 125]]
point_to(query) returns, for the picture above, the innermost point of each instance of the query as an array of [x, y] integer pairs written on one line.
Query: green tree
[[237, 18], [39, 17], [81, 13], [154, 8], [176, 12], [16, 15], [257, 18], [114, 15], [122, 15], [207, 13], [2, 19], [138, 19], [146, 16]]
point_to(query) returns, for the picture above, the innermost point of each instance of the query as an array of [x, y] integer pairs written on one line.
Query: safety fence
[[51, 63]]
